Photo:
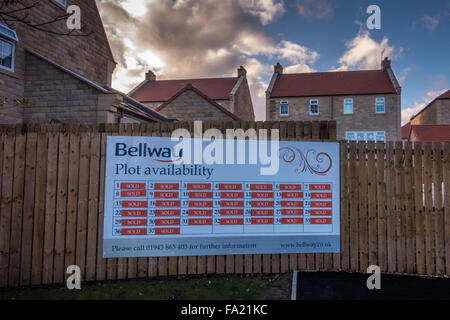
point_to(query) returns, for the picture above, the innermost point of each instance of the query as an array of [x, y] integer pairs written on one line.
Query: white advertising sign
[[287, 202]]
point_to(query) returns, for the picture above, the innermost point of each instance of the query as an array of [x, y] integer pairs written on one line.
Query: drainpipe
[[119, 119]]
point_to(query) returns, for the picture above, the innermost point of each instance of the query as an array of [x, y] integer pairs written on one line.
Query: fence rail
[[395, 207]]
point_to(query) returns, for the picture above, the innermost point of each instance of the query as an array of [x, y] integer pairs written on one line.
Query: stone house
[[432, 123], [436, 112], [208, 99], [64, 79], [366, 105]]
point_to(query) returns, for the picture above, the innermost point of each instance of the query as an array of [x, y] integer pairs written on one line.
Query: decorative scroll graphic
[[316, 163]]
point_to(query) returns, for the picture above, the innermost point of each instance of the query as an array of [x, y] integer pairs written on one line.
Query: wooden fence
[[395, 207]]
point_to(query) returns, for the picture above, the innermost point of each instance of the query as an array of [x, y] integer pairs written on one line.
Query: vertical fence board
[[17, 210], [50, 206], [101, 263], [39, 209], [94, 170], [72, 199], [61, 202], [419, 209], [390, 213], [381, 207], [429, 212], [82, 207], [342, 260], [438, 209], [362, 221], [400, 208], [409, 210], [27, 225], [6, 206], [447, 205], [372, 204], [354, 242]]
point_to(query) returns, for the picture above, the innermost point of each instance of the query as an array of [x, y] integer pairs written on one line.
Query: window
[[284, 108], [6, 55], [380, 106], [313, 107], [8, 38], [365, 136], [348, 106], [62, 2]]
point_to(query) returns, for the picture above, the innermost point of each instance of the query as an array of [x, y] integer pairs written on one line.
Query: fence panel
[[395, 207]]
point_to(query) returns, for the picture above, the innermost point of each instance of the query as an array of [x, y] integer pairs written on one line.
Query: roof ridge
[[331, 72]]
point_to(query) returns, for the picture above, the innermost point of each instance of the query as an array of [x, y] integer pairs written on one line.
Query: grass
[[217, 287]]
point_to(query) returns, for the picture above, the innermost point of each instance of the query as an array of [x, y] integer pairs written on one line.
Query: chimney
[[278, 68], [242, 72], [385, 64], [150, 76]]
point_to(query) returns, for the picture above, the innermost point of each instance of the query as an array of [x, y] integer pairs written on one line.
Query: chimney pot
[[386, 63], [278, 68], [242, 72], [150, 75]]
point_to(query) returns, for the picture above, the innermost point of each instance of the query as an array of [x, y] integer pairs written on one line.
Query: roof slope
[[406, 131], [431, 132], [128, 103], [203, 95], [332, 83], [163, 90], [445, 95]]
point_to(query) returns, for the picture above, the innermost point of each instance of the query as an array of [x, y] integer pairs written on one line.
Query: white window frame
[[311, 103], [378, 101], [347, 102], [353, 135], [62, 2], [284, 103], [13, 45]]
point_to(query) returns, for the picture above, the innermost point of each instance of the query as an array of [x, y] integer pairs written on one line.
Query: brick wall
[[54, 94], [364, 117], [242, 101], [189, 106], [437, 112], [88, 56]]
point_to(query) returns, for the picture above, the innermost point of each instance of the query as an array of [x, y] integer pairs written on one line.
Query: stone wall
[[364, 117], [189, 106]]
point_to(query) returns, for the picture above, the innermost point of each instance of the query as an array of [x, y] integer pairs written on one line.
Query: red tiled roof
[[431, 132], [445, 95], [203, 95], [163, 90], [332, 83], [406, 131]]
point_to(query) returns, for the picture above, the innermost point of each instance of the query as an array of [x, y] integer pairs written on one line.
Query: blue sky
[[199, 38]]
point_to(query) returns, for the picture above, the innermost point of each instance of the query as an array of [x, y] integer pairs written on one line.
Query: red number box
[[168, 203], [290, 187], [134, 213], [262, 220], [134, 232], [321, 204], [200, 222], [231, 221], [320, 221], [316, 212], [292, 195], [200, 195], [321, 195], [167, 186], [231, 212], [291, 220], [230, 186], [319, 187], [167, 222], [292, 204], [262, 212], [200, 213], [134, 222], [262, 204], [256, 187], [292, 212], [167, 231], [133, 193], [231, 195], [132, 186], [167, 212], [262, 195], [134, 204], [199, 186]]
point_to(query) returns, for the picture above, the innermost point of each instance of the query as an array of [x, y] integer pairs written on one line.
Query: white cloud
[[265, 10], [199, 38], [363, 52], [431, 22]]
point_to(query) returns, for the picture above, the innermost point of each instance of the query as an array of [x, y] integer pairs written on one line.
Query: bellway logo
[[164, 155]]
